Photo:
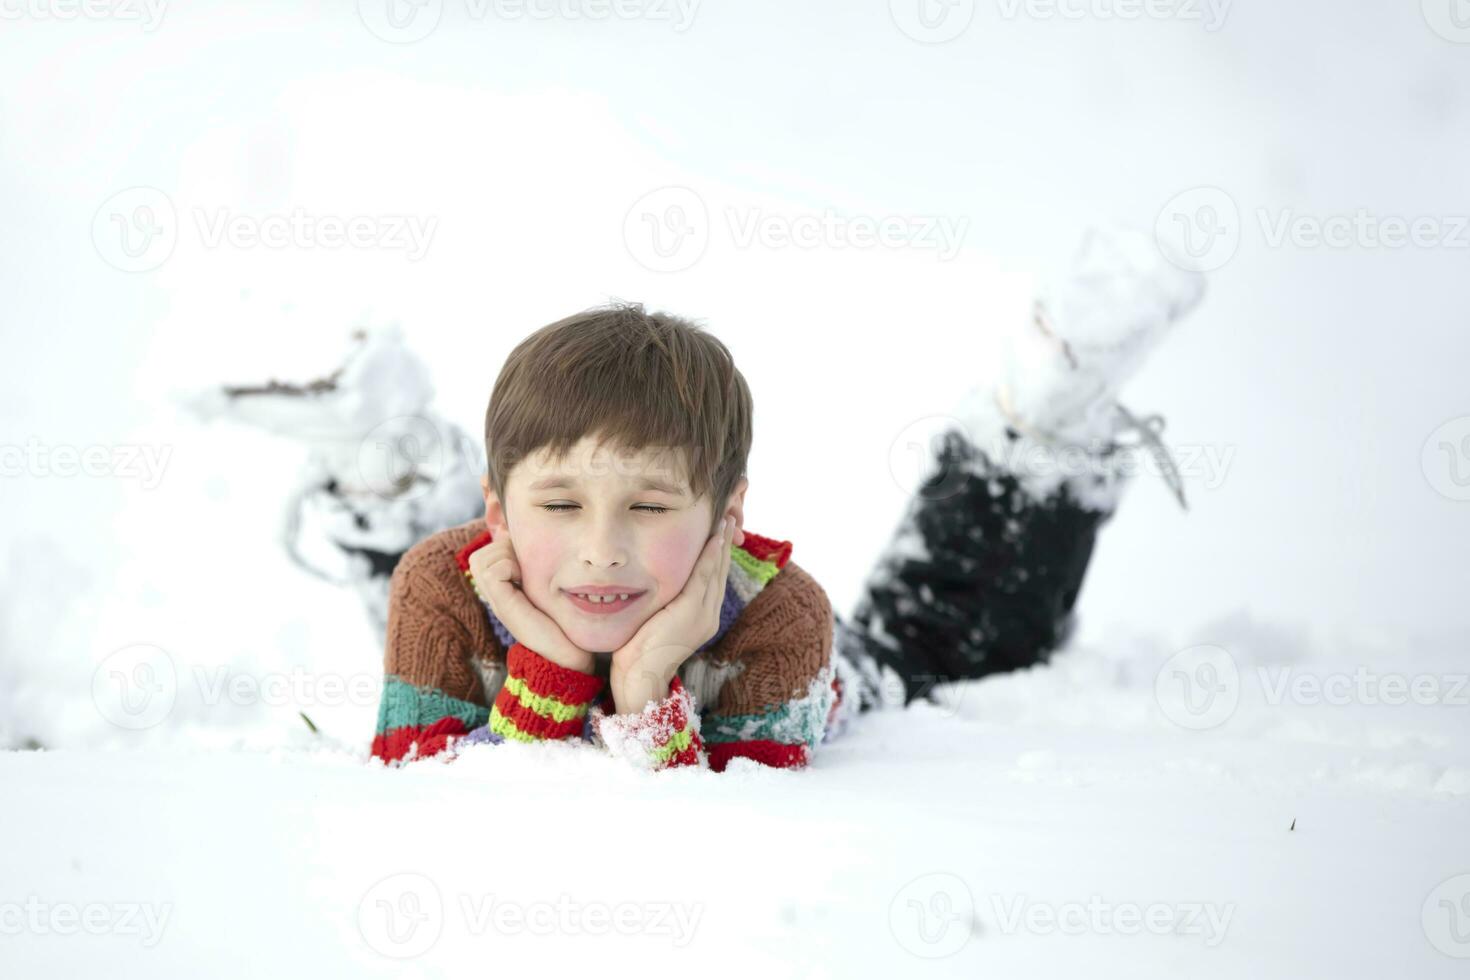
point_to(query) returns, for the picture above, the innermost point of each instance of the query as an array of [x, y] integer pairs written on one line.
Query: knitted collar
[[752, 566]]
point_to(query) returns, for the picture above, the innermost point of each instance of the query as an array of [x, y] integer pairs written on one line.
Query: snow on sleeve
[[663, 735], [784, 736]]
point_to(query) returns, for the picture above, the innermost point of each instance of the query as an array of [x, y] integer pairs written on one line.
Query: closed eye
[[650, 508]]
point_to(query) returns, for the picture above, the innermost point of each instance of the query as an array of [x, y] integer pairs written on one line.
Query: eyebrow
[[567, 483]]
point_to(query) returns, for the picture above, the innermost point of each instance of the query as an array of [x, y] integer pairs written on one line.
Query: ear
[[735, 508], [494, 512]]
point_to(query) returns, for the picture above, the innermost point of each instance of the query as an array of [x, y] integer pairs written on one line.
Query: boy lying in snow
[[611, 593]]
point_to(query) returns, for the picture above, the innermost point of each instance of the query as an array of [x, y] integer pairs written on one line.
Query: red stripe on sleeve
[[764, 751], [531, 723], [550, 679], [432, 739]]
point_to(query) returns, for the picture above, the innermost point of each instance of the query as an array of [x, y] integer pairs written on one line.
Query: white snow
[[203, 830], [1068, 791]]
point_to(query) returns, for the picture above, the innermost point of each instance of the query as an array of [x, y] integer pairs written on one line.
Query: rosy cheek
[[546, 564], [538, 559], [670, 560]]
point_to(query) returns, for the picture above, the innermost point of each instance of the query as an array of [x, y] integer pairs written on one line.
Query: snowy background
[[1291, 648]]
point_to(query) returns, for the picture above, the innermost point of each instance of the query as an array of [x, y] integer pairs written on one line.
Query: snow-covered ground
[[1106, 815], [1289, 653]]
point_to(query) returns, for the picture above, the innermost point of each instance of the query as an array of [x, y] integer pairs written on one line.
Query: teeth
[[603, 598]]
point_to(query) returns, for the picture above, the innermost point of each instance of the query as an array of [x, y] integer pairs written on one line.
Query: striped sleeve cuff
[[663, 735], [783, 736], [540, 699], [416, 722]]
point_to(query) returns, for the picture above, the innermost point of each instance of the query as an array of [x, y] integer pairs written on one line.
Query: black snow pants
[[980, 576]]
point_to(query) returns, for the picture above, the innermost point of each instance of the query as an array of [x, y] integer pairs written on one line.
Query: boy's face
[[605, 517]]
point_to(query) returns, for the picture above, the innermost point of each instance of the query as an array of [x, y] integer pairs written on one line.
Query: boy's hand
[[642, 669], [498, 577]]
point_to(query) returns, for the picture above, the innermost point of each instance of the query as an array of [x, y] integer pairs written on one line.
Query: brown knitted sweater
[[766, 678]]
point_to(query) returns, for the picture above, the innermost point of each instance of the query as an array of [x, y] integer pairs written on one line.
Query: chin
[[598, 640]]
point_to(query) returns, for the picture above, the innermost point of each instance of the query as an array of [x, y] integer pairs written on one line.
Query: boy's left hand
[[642, 669]]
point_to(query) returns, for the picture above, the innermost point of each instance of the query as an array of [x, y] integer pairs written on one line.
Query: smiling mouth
[[613, 602]]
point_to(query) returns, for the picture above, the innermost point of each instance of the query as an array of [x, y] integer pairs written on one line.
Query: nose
[[603, 546]]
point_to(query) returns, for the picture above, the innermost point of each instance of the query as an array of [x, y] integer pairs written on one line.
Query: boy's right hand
[[497, 575]]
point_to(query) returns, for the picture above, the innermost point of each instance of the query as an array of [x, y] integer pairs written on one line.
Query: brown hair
[[629, 378]]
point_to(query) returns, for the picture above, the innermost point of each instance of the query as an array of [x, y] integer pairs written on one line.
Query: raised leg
[[981, 576], [984, 569]]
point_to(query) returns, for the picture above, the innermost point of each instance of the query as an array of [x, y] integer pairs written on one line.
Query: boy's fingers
[[488, 556], [717, 565], [725, 564], [724, 577], [715, 584], [710, 562], [486, 565]]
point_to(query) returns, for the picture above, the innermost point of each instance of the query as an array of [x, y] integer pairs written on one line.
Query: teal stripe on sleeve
[[404, 704], [799, 720]]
